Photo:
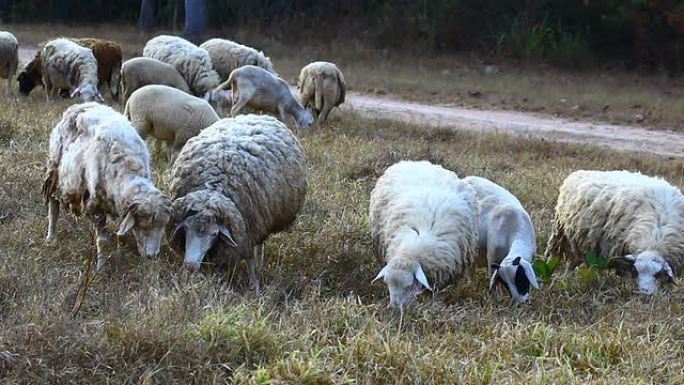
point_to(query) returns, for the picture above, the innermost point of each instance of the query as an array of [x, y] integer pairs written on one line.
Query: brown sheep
[[108, 54]]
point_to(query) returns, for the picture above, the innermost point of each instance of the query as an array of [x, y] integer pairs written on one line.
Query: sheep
[[256, 88], [67, 65], [99, 164], [507, 239], [634, 220], [228, 55], [180, 117], [424, 227], [321, 87], [107, 54], [9, 58], [238, 181], [191, 61], [141, 71]]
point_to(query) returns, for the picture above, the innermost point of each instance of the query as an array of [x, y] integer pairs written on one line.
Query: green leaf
[[553, 263], [542, 270], [595, 261]]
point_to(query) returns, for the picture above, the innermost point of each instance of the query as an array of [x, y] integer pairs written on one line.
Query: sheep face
[[305, 120], [26, 83], [403, 282], [649, 266], [148, 223], [88, 93], [515, 275], [201, 234]]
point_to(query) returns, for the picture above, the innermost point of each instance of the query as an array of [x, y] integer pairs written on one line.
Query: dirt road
[[626, 138]]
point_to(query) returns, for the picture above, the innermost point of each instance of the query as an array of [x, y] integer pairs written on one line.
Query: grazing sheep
[[142, 71], [256, 88], [238, 181], [190, 60], [636, 221], [424, 225], [67, 65], [321, 87], [507, 240], [99, 164], [107, 54], [227, 55], [9, 58], [180, 117]]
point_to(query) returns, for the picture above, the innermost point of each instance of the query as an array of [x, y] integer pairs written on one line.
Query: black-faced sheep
[[9, 58], [238, 181], [321, 87], [142, 71], [100, 165], [227, 55]]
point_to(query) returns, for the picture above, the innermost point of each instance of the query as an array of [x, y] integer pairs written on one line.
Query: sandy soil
[[626, 138]]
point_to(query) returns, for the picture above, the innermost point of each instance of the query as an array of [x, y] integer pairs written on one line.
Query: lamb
[[100, 165], [190, 60], [180, 117], [9, 58], [424, 226], [507, 240], [107, 54], [321, 87], [67, 65], [227, 55], [238, 181], [634, 220], [141, 71], [259, 89]]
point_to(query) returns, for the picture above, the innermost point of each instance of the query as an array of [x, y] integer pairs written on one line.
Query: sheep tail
[[318, 92], [343, 88]]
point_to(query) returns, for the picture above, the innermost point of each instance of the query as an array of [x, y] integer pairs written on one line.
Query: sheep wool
[[227, 55], [321, 87], [623, 216], [109, 56], [67, 65], [142, 71], [99, 165], [238, 181], [424, 226], [190, 60], [9, 58]]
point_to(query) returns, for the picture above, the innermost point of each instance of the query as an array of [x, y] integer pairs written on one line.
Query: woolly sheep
[[424, 225], [107, 54], [321, 87], [180, 117], [227, 55], [191, 61], [9, 58], [507, 240], [99, 164], [67, 65], [141, 71], [235, 183], [256, 88], [636, 221]]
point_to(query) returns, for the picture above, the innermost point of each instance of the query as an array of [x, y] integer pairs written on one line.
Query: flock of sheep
[[235, 181]]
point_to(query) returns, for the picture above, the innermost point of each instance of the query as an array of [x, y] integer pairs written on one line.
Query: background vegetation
[[643, 34]]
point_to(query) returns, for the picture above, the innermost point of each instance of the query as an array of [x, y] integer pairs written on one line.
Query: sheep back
[[227, 55], [72, 64], [142, 71], [315, 80], [9, 54]]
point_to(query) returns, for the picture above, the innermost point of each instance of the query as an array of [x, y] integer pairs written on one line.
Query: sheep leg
[[323, 116], [53, 214], [282, 115], [243, 99], [259, 256], [253, 278], [9, 85], [102, 237]]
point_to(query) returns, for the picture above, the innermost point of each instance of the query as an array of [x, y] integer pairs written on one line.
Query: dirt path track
[[626, 138]]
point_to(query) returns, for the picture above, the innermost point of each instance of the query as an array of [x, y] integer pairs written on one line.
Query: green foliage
[[595, 261], [544, 269]]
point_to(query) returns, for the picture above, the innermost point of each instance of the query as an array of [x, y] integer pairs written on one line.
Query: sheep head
[[404, 282], [515, 275], [148, 219], [648, 267], [88, 93]]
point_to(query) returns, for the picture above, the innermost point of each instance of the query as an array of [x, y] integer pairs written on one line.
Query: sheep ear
[[76, 92], [492, 280], [99, 97], [420, 276], [126, 224], [669, 274], [529, 273], [226, 236], [180, 225], [207, 97], [380, 275]]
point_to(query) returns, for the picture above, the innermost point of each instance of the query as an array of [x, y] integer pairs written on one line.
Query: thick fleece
[[9, 58], [227, 55], [67, 65], [321, 87]]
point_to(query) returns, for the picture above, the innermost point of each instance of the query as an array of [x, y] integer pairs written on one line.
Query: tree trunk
[[195, 19], [177, 13], [146, 21]]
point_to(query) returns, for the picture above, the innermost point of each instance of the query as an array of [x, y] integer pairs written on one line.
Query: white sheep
[[507, 239], [100, 165], [424, 225], [67, 65], [256, 88], [235, 183], [635, 221], [227, 55], [9, 58], [190, 60], [142, 71], [175, 120], [321, 87]]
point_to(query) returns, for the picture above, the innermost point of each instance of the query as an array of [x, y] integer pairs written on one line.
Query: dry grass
[[319, 321]]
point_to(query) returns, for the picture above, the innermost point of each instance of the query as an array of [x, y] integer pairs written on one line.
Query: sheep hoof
[[50, 239]]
